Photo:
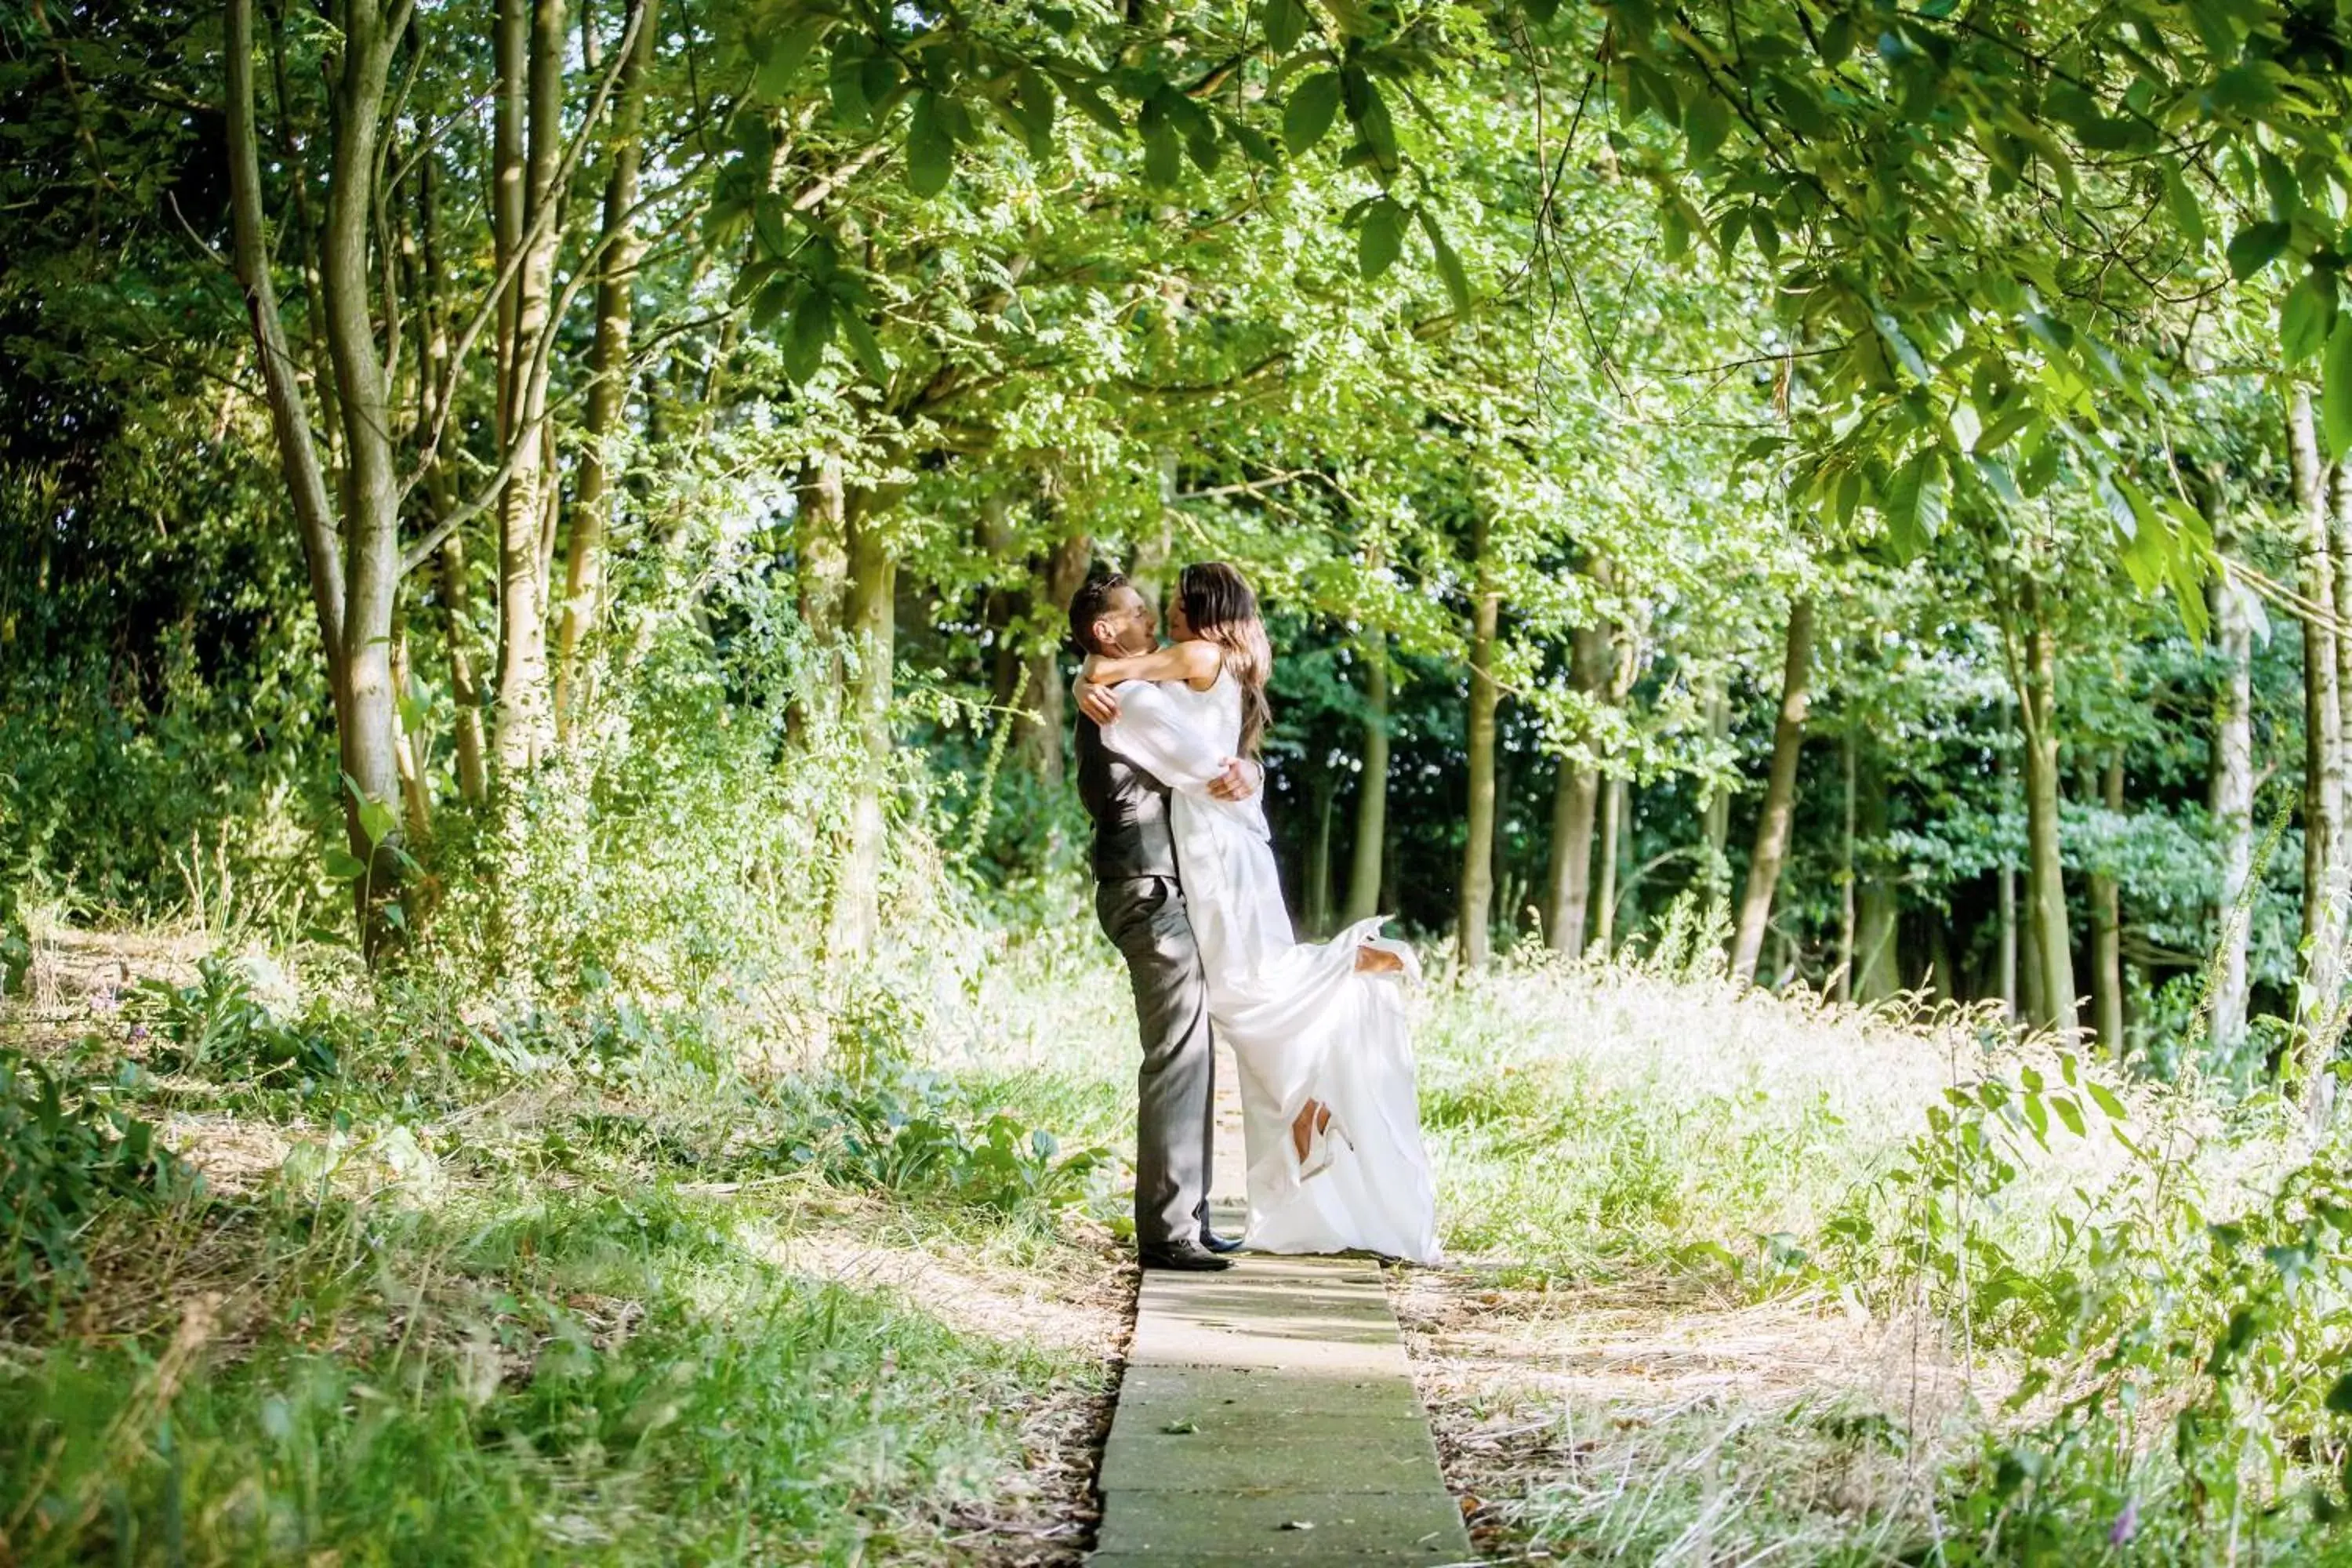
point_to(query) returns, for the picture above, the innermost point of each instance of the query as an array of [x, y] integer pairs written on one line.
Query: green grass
[[584, 1376]]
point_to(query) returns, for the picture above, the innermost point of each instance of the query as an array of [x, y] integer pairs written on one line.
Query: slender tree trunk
[[2045, 883], [1774, 821], [2339, 491], [1478, 851], [355, 563], [454, 588], [2107, 931], [525, 726], [1848, 916], [872, 588], [1576, 796], [1318, 856], [2233, 799], [2323, 934], [1611, 833], [1715, 816], [1371, 787], [410, 750], [1060, 576], [1878, 968], [821, 542], [2007, 900], [608, 364]]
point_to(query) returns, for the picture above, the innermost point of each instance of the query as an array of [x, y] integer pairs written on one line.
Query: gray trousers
[[1175, 1090]]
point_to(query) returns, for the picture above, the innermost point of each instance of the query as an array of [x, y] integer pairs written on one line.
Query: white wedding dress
[[1302, 1022]]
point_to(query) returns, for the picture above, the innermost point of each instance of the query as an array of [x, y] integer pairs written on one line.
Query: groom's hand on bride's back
[[1239, 781]]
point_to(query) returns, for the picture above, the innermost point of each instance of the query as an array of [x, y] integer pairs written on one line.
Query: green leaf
[[2306, 316], [1163, 155], [1916, 503], [805, 335], [2068, 1112], [2335, 391], [1314, 102], [342, 865], [1706, 120], [2339, 1397], [1089, 102], [2188, 212], [1900, 346], [862, 345], [1380, 236], [375, 820], [1284, 22], [2255, 247], [781, 55], [931, 150], [1449, 265]]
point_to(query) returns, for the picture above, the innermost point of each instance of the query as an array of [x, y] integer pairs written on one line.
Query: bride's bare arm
[[1195, 663]]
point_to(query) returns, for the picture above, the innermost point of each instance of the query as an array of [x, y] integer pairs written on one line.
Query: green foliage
[[68, 1152], [217, 1028], [909, 1137]]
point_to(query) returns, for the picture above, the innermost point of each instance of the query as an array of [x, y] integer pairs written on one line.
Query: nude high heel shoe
[[1319, 1153]]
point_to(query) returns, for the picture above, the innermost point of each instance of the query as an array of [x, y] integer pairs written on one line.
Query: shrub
[[65, 1155], [219, 1028]]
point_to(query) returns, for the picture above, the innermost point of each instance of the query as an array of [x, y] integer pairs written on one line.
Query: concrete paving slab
[[1422, 1526], [1267, 1414], [1388, 1457]]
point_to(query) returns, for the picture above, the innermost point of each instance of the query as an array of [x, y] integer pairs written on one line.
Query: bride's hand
[[1239, 780], [1098, 703]]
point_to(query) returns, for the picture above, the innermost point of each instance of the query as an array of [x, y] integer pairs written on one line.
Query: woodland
[[1809, 553]]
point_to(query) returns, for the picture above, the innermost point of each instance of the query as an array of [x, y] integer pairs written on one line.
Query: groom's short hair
[[1089, 603]]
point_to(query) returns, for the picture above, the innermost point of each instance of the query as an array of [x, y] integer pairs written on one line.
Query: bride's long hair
[[1220, 608]]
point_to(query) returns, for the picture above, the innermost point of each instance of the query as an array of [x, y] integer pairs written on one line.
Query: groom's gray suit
[[1140, 904]]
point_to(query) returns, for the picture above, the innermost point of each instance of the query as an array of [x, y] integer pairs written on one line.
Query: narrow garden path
[[1268, 1415]]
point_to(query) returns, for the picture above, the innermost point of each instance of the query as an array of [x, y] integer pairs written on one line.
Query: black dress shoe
[[1219, 1244], [1189, 1256]]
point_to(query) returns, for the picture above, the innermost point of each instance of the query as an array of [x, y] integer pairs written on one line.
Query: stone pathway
[[1267, 1414]]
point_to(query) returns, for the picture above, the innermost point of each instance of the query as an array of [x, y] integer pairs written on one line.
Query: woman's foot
[[1312, 1133], [1313, 1117], [1378, 961]]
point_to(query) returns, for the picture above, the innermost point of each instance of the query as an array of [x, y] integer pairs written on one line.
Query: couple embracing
[[1186, 890]]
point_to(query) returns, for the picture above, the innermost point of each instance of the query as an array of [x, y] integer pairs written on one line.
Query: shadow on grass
[[514, 1377]]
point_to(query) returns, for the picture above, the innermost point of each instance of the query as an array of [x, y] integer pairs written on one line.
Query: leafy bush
[[219, 1028], [910, 1136], [65, 1155]]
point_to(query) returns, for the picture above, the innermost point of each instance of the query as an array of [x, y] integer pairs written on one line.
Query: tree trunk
[[1844, 987], [1371, 787], [2323, 769], [354, 560], [456, 589], [1778, 812], [821, 542], [1478, 850], [525, 726], [1317, 898], [2007, 935], [2233, 799], [608, 364], [2045, 878], [856, 915], [2107, 931], [1604, 901], [1060, 576], [1877, 970], [1715, 816], [1576, 795]]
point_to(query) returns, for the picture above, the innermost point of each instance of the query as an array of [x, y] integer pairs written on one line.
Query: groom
[[1140, 904]]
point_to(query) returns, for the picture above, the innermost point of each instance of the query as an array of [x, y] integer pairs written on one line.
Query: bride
[[1329, 1109]]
